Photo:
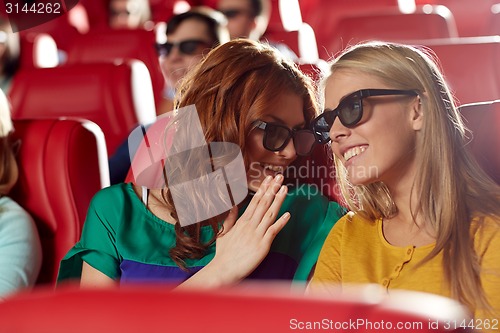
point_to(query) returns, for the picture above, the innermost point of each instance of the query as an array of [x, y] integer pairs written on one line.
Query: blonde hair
[[451, 187], [8, 165]]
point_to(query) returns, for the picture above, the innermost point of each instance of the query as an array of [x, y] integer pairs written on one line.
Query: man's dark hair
[[256, 7], [209, 17]]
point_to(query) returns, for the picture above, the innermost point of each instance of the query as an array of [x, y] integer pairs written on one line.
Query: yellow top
[[356, 251]]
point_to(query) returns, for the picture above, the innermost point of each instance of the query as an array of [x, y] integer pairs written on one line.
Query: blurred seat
[[116, 96], [62, 164], [324, 15], [109, 45], [314, 70], [483, 119], [65, 27], [470, 66], [163, 10], [38, 50], [494, 21], [302, 42], [257, 308], [471, 16], [97, 12], [390, 24]]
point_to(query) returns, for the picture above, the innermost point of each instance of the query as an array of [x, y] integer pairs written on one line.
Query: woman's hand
[[245, 242]]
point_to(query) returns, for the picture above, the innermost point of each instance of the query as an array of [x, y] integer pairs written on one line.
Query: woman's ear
[[417, 114]]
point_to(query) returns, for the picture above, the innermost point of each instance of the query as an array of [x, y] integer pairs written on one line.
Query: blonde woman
[[20, 250], [424, 217]]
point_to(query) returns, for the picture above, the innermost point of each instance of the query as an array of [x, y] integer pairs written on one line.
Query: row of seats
[[469, 18], [245, 309]]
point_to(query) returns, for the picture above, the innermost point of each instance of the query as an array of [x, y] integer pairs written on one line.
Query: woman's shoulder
[[11, 211], [16, 224], [114, 194]]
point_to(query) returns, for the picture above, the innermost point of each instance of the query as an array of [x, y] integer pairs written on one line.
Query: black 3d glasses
[[349, 111], [187, 47], [277, 137]]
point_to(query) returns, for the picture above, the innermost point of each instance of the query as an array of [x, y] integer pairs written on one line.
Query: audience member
[[249, 19], [20, 249], [189, 36], [126, 238], [425, 217], [9, 54], [128, 14]]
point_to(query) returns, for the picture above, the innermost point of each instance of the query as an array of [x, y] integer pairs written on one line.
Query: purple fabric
[[276, 266]]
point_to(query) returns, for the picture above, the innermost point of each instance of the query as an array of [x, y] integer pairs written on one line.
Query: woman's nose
[[289, 151], [338, 130]]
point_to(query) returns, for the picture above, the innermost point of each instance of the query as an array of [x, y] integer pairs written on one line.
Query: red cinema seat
[[65, 27], [471, 16], [257, 308], [323, 16], [116, 96], [427, 22], [483, 119], [494, 21], [62, 164], [109, 45], [38, 50], [470, 66], [97, 12]]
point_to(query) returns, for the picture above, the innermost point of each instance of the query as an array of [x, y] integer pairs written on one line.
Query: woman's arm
[[91, 277]]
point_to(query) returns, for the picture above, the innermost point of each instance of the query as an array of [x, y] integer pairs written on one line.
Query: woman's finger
[[267, 199], [272, 212], [256, 198], [276, 227]]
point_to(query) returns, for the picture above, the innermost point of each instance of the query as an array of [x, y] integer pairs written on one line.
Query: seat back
[[391, 25], [483, 119], [63, 28], [258, 308], [494, 21], [62, 164], [324, 15], [116, 96], [109, 45], [471, 16], [38, 50], [470, 66]]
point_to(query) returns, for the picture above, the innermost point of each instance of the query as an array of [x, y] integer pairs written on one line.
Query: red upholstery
[[494, 21], [115, 96], [64, 28], [471, 16], [108, 45], [323, 16], [392, 25], [314, 71], [470, 66], [38, 50], [62, 164], [161, 10], [483, 119], [97, 12], [258, 308]]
